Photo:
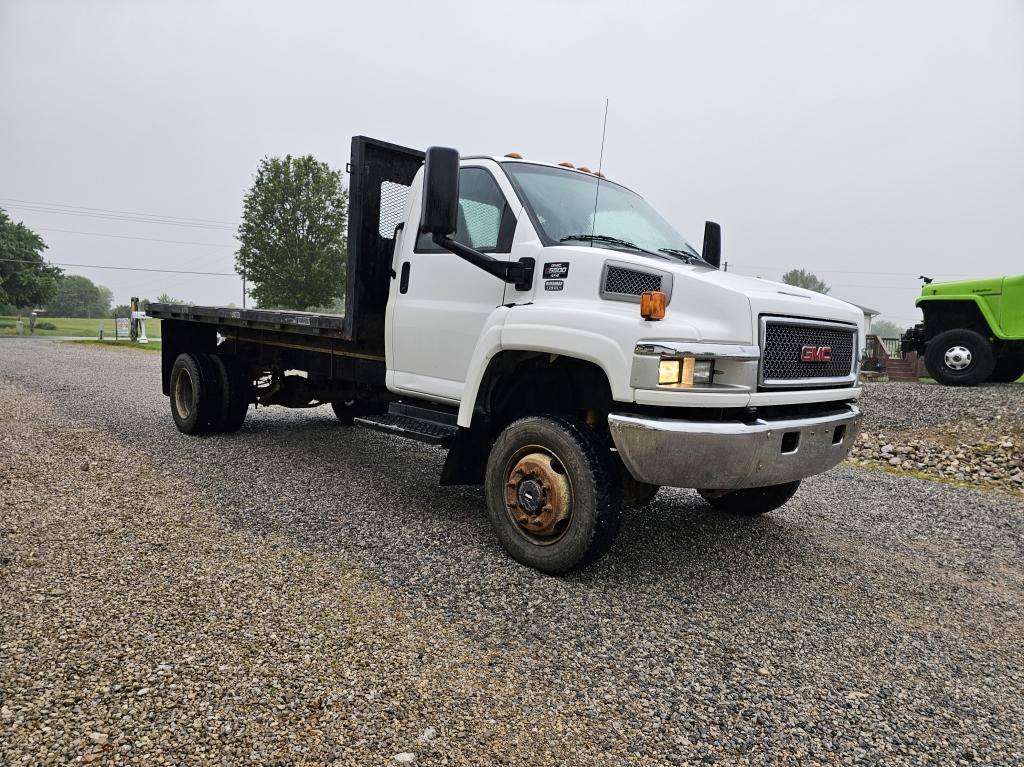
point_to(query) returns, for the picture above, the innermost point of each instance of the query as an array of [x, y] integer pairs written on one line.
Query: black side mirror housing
[[439, 213], [712, 252]]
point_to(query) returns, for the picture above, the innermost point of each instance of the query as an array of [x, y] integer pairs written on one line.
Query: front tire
[[551, 494], [194, 393], [959, 358], [752, 501], [346, 411]]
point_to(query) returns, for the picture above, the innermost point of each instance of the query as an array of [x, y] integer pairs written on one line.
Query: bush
[[45, 326]]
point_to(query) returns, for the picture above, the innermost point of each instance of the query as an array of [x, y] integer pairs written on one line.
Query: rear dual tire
[[1008, 369], [209, 393]]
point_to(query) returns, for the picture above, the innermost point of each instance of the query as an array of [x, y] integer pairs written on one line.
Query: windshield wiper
[[606, 238], [602, 238], [684, 253]]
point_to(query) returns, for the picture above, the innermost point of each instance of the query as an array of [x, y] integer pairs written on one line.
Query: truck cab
[[568, 347]]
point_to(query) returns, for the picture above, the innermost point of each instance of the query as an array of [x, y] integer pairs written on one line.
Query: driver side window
[[485, 221]]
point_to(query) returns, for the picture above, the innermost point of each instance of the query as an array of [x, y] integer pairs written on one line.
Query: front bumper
[[729, 455]]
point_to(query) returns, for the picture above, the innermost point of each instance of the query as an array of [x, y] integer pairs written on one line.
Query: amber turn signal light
[[652, 305]]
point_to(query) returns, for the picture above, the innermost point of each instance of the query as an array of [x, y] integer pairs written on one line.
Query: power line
[[129, 219], [120, 212], [118, 268], [129, 237]]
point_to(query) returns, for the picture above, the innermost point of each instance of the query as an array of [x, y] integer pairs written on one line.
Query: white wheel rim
[[958, 358]]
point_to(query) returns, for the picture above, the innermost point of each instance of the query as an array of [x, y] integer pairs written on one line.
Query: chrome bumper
[[730, 455]]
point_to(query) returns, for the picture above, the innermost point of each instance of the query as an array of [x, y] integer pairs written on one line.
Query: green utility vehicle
[[973, 331]]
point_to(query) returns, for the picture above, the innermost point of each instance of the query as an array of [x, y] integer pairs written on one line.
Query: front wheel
[[751, 501], [959, 358], [551, 493]]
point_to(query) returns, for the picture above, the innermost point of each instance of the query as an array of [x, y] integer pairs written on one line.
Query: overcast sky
[[869, 142]]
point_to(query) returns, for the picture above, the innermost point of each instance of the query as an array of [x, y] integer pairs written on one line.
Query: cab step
[[435, 427]]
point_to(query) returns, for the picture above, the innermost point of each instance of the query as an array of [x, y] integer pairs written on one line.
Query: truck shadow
[[359, 491]]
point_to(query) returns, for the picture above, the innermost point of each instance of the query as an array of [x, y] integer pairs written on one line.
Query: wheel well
[[518, 383], [940, 316], [178, 337]]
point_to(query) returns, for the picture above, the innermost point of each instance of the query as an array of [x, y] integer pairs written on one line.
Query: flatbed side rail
[[307, 323]]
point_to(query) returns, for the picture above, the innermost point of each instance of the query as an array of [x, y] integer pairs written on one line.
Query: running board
[[433, 429]]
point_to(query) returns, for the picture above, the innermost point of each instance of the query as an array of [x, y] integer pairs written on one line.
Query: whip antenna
[[600, 165]]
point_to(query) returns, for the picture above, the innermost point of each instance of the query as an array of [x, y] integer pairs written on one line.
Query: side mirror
[[439, 213], [712, 252]]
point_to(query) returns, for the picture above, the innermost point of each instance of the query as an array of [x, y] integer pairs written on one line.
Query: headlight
[[685, 372]]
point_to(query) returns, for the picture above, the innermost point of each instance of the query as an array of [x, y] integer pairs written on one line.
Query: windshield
[[571, 208]]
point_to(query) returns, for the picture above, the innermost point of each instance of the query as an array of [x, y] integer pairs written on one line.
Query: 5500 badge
[[556, 270]]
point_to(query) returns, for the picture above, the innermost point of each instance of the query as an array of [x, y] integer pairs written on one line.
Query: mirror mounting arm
[[518, 273]]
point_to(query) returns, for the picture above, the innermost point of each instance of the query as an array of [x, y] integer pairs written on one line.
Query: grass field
[[152, 346], [72, 326]]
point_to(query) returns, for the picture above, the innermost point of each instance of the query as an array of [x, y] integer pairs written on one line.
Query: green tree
[[808, 280], [885, 329], [292, 236], [79, 296], [164, 298], [26, 280]]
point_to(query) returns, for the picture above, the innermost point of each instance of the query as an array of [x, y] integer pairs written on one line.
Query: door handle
[[403, 283]]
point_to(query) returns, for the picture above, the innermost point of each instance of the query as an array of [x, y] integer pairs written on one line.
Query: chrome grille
[[628, 282], [781, 345]]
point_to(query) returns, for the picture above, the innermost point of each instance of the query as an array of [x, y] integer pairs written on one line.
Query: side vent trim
[[623, 281]]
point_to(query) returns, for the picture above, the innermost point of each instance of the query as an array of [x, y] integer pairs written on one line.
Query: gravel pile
[[304, 592], [973, 435], [995, 462]]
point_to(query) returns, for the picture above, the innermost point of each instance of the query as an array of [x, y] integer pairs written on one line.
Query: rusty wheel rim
[[538, 495], [184, 393]]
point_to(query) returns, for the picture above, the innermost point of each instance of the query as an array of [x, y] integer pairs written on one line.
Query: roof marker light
[[514, 156], [585, 169], [566, 164]]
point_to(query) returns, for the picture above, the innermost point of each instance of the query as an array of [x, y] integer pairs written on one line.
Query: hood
[[986, 287], [706, 304], [763, 297]]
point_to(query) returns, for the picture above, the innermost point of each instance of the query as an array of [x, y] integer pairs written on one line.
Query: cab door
[[442, 302]]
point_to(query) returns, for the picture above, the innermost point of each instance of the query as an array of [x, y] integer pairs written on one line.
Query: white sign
[[123, 327]]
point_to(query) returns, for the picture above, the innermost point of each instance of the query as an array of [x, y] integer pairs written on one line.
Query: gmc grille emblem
[[815, 353]]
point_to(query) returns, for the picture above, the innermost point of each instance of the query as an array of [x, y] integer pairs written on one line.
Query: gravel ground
[[902, 406], [305, 592]]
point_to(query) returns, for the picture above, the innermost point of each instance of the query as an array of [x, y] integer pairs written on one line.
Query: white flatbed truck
[[569, 349]]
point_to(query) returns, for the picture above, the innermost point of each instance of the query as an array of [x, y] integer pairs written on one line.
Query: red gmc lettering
[[816, 354]]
